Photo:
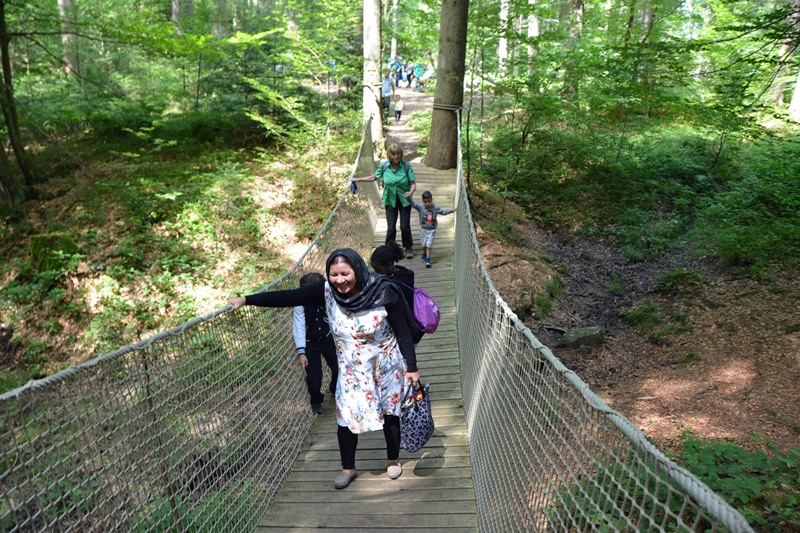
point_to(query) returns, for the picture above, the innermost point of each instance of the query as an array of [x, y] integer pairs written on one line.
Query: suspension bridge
[[206, 427]]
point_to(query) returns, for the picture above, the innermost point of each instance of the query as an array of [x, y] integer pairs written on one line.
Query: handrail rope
[[177, 330], [729, 516]]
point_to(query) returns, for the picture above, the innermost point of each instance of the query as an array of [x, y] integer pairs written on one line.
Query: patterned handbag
[[416, 419]]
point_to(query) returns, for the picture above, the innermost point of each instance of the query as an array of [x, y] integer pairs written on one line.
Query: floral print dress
[[371, 367]]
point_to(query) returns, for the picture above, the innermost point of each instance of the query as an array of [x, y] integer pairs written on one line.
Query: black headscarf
[[376, 290]]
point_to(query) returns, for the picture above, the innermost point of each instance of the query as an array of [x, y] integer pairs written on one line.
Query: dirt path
[[402, 134]]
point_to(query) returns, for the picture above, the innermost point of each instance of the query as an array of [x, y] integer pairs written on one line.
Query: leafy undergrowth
[[763, 485], [164, 233]]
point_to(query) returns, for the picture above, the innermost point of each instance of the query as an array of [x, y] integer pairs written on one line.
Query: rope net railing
[[193, 429], [547, 454]]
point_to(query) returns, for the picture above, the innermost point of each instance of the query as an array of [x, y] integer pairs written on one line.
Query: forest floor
[[721, 357]]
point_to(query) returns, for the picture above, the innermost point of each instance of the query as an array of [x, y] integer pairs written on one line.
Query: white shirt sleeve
[[299, 328]]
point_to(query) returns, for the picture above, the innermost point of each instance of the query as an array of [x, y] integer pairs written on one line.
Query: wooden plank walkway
[[435, 492]]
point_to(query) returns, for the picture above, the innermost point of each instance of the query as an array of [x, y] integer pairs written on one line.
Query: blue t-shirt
[[386, 86]]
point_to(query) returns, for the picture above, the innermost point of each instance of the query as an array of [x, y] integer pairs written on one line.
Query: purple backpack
[[426, 311]]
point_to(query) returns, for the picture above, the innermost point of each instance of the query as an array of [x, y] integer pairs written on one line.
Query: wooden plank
[[435, 492]]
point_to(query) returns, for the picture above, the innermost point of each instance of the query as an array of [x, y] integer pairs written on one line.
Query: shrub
[[764, 487]]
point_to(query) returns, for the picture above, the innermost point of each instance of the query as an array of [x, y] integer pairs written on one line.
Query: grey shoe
[[409, 253], [343, 480]]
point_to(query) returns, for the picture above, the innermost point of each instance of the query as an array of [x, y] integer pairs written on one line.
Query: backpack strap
[[385, 165], [403, 284]]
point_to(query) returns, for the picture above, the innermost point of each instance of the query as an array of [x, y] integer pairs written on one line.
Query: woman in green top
[[398, 186]]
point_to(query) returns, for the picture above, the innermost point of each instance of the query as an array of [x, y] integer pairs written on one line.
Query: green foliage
[[505, 230], [617, 496], [686, 360], [420, 122], [651, 190], [218, 510], [552, 289], [755, 221], [763, 486], [646, 317], [678, 281]]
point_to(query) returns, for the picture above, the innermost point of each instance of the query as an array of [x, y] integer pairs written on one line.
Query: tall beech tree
[[372, 70], [449, 92]]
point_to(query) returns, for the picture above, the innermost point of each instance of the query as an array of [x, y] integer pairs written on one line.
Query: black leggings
[[392, 213], [348, 441]]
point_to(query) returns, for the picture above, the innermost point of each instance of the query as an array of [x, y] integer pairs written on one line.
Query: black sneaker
[[317, 408]]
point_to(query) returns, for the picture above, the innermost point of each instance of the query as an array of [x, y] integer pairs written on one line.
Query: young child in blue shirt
[[313, 341], [428, 211]]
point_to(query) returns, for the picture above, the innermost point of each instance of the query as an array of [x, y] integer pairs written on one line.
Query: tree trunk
[[9, 106], [13, 191], [220, 27], [533, 32], [570, 89], [443, 148], [794, 106], [787, 51], [69, 40], [393, 52], [372, 69], [177, 21], [502, 44]]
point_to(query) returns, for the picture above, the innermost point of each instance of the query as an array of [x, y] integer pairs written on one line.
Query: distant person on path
[[398, 108], [428, 211], [314, 342], [371, 322], [387, 92], [399, 184], [419, 71], [384, 261]]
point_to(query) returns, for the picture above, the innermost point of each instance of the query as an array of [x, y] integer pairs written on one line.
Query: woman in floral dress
[[370, 321]]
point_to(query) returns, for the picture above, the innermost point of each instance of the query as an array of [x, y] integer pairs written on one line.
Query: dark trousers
[[348, 441], [315, 352], [405, 225], [385, 102]]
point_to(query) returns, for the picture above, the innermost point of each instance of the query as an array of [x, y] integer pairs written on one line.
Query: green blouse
[[396, 183]]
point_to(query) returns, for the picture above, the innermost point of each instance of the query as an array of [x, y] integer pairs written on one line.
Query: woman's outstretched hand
[[237, 302]]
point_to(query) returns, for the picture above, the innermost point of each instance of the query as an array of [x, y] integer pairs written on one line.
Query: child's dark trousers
[[315, 352]]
